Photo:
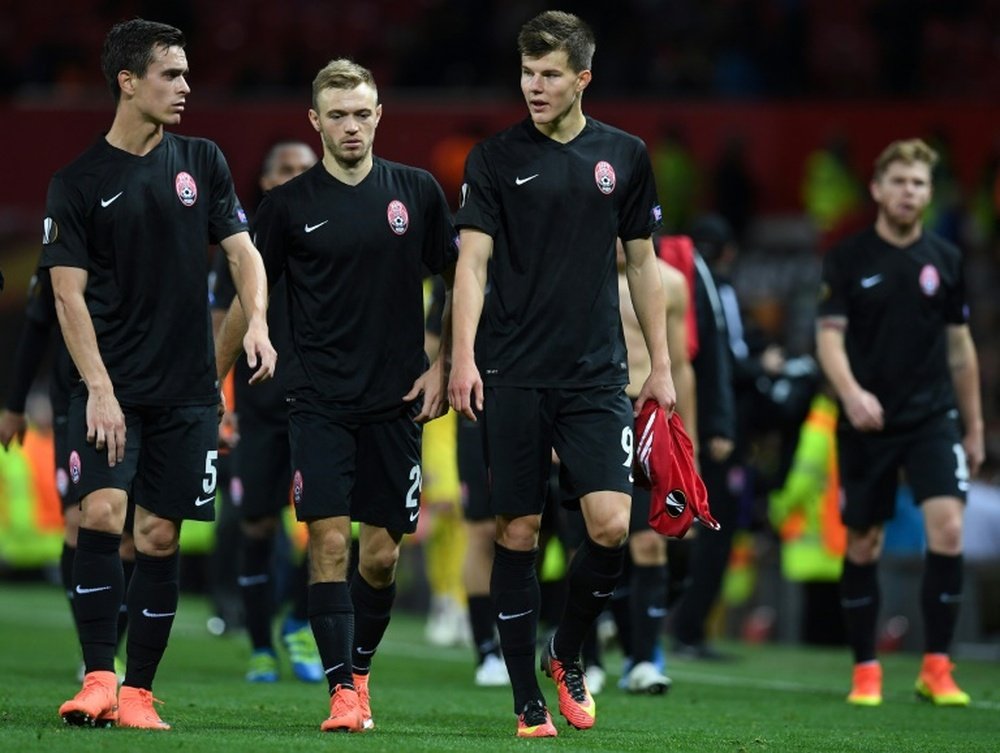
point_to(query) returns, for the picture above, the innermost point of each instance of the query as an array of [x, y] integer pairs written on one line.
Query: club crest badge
[[930, 280], [399, 218], [297, 487], [604, 176], [74, 467], [187, 189]]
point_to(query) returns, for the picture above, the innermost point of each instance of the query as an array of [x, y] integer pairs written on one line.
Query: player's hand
[[12, 425], [975, 451], [106, 424], [431, 385], [864, 411], [260, 353], [659, 386], [465, 388]]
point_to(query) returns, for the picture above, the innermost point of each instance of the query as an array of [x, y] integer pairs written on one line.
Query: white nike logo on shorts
[[199, 501]]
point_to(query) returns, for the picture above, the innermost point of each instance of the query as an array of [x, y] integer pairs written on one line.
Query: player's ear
[[314, 119], [126, 81], [583, 80]]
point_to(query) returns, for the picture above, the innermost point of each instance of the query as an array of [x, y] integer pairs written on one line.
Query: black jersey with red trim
[[353, 260], [553, 210], [898, 303], [141, 228]]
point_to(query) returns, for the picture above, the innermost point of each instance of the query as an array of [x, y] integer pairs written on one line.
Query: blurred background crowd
[[767, 113]]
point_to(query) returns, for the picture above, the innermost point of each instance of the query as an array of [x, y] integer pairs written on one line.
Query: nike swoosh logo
[[506, 617], [147, 613], [522, 181], [599, 595], [871, 282], [333, 668], [365, 651], [310, 228], [414, 515], [105, 203], [81, 590], [198, 502]]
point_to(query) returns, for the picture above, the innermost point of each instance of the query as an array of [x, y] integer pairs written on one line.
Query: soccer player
[[647, 584], [40, 319], [262, 465], [894, 342], [542, 205], [126, 233], [354, 238]]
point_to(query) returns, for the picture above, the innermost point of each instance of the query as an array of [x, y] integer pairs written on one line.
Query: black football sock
[[483, 621], [941, 596], [516, 596], [648, 609], [66, 575], [372, 611], [592, 578], [299, 588], [621, 606], [152, 604], [859, 599], [331, 614], [98, 587], [257, 590], [128, 568]]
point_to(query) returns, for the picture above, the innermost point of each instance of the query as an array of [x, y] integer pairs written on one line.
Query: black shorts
[[60, 439], [590, 430], [262, 467], [472, 470], [370, 472], [931, 455], [171, 454]]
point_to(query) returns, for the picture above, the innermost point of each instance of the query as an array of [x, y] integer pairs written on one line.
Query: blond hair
[[341, 73], [906, 151]]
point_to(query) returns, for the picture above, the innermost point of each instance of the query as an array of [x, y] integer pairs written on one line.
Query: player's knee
[[946, 537], [647, 548], [157, 537], [519, 534]]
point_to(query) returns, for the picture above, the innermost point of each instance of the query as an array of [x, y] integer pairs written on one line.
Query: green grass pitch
[[772, 699]]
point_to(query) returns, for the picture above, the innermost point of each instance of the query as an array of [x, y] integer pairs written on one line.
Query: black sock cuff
[[515, 558], [376, 600], [158, 569], [602, 559], [329, 598], [854, 570], [90, 540], [933, 559]]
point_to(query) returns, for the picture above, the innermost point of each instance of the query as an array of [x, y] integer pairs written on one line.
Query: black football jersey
[[41, 309], [551, 315], [898, 303], [354, 259], [141, 227]]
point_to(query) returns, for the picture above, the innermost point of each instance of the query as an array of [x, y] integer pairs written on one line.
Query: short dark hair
[[557, 30], [130, 45]]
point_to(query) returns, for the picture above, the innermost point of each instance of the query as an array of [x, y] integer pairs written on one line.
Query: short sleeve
[[440, 242], [832, 289], [479, 203], [64, 237], [227, 216], [641, 213]]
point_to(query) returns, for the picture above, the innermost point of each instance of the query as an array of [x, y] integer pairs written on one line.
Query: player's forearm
[[646, 290], [81, 340], [833, 359], [229, 339], [965, 378], [250, 279], [466, 308]]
